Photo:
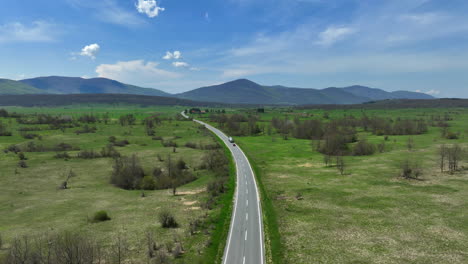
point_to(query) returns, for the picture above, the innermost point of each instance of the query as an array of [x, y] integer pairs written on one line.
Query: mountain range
[[240, 91]]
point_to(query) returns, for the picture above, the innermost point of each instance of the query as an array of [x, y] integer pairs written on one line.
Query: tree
[[340, 164], [442, 157]]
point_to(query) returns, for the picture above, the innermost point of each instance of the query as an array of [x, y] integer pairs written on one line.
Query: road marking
[[247, 191], [245, 235], [235, 152], [243, 262], [247, 216], [247, 202]]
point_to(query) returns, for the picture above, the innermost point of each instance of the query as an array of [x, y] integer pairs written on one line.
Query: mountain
[[246, 91], [15, 87], [240, 91], [76, 85], [378, 94]]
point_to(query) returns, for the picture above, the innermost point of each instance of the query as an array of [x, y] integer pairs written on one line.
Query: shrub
[[157, 138], [22, 164], [148, 183], [29, 135], [101, 216], [62, 155], [121, 143], [109, 152], [88, 154], [191, 145], [112, 139], [410, 170], [451, 135], [167, 220], [363, 148], [21, 156], [168, 143], [127, 173]]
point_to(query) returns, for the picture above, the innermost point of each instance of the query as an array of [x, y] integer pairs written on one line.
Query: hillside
[[15, 87], [246, 91], [240, 91], [76, 85], [70, 99]]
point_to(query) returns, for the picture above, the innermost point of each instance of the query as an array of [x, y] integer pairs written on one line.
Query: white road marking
[[243, 262], [247, 202], [245, 235], [247, 216]]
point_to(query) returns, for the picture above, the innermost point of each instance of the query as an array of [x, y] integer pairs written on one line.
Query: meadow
[[33, 202], [369, 213]]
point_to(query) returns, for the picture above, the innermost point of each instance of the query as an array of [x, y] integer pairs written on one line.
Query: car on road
[[233, 145], [231, 139]]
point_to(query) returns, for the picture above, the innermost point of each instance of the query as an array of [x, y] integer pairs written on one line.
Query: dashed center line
[[245, 235], [247, 216]]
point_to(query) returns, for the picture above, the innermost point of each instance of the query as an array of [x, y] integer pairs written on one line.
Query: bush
[[62, 155], [148, 183], [21, 156], [451, 135], [168, 143], [167, 220], [127, 173], [109, 152], [121, 143], [363, 148], [29, 135], [88, 154], [101, 216], [191, 145], [22, 164], [410, 170]]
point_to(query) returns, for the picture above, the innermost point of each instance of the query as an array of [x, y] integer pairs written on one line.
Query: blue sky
[[178, 45]]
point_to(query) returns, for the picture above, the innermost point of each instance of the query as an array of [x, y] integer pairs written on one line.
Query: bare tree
[[340, 164]]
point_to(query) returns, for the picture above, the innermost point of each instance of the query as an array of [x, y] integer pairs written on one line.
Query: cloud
[[148, 7], [136, 71], [433, 92], [207, 17], [90, 51], [179, 64], [38, 31], [333, 34], [173, 55]]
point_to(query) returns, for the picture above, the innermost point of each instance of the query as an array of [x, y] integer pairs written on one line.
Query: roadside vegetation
[[101, 184], [358, 186]]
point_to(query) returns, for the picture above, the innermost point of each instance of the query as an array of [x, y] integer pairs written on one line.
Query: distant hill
[[70, 99], [76, 85], [246, 91], [240, 91], [15, 87]]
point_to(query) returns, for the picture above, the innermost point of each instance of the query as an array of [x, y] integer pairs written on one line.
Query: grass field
[[32, 204], [370, 214]]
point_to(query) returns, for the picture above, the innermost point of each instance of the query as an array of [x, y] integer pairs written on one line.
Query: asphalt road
[[245, 239]]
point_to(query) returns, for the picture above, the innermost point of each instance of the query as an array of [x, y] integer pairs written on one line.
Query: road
[[245, 239]]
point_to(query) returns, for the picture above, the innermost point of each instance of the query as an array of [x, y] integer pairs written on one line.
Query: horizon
[[414, 45], [240, 79]]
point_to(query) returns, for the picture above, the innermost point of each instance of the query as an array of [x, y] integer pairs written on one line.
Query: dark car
[[234, 145]]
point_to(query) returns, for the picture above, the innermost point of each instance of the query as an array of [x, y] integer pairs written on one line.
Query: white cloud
[[207, 17], [90, 51], [179, 64], [148, 7], [333, 34], [433, 92], [173, 55], [134, 72], [38, 31]]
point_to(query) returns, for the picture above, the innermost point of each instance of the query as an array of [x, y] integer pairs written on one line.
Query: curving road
[[245, 239]]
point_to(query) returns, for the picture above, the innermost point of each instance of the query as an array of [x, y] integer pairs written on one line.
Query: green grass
[[370, 214], [32, 204]]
